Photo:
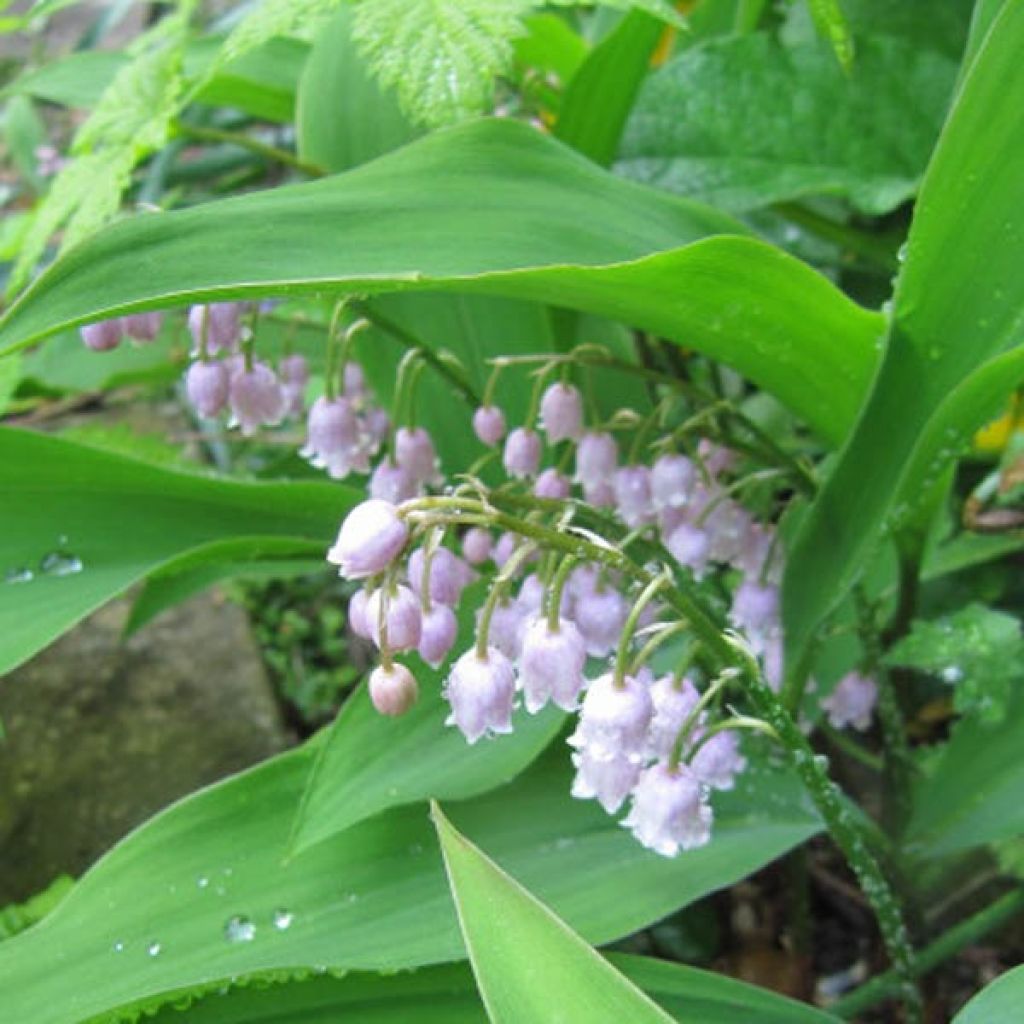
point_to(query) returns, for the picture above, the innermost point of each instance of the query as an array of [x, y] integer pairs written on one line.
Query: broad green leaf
[[371, 898], [447, 995], [19, 916], [958, 303], [971, 793], [999, 1000], [11, 373], [718, 123], [984, 14], [527, 962], [369, 762], [977, 650], [344, 118], [66, 505], [968, 550], [550, 44], [832, 25], [544, 224], [600, 95]]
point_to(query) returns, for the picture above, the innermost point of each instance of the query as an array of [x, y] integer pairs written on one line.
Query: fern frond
[[270, 19]]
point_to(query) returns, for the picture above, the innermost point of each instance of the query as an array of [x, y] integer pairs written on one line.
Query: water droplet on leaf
[[239, 929], [283, 919]]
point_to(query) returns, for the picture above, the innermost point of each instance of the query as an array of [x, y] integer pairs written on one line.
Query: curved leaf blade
[[526, 960], [999, 1000], [122, 519], [370, 898], [958, 302], [494, 208]]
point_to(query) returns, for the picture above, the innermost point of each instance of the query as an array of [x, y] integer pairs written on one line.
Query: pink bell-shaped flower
[[415, 453], [223, 326], [142, 327], [614, 719], [673, 705], [489, 424], [481, 691], [522, 453], [391, 482], [600, 617], [670, 810], [357, 620], [371, 537], [607, 780], [206, 385], [755, 608], [353, 381], [256, 398], [508, 620], [477, 545], [440, 628], [402, 617], [673, 478], [633, 495], [293, 371], [393, 690], [597, 457], [449, 575], [102, 336], [852, 702], [690, 546], [719, 761], [332, 436], [551, 665], [561, 413], [551, 484]]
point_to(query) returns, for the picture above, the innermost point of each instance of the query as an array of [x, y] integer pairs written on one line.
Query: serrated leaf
[[272, 18], [978, 651]]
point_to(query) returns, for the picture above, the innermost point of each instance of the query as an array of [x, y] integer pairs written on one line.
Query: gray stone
[[101, 734]]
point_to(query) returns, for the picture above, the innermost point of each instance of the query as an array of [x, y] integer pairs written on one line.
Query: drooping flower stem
[[661, 636], [554, 594], [744, 722], [724, 678], [498, 590], [655, 584], [331, 360]]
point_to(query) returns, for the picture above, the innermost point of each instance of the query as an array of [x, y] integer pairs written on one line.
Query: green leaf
[[447, 995], [371, 898], [971, 793], [999, 1000], [19, 916], [122, 519], [968, 550], [545, 225], [11, 373], [718, 123], [601, 94], [958, 303], [344, 117], [977, 650], [369, 762], [832, 25], [528, 963]]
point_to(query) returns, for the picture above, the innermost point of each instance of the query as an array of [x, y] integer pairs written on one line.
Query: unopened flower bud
[[402, 617], [551, 665], [393, 689], [256, 399], [670, 810], [102, 336], [206, 385], [440, 628], [852, 702], [489, 424], [481, 691], [371, 537], [522, 453], [561, 413]]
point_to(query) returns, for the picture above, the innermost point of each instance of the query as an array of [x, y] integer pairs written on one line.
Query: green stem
[[693, 717], [626, 637], [737, 722], [662, 636], [858, 242], [554, 595], [852, 748], [219, 135], [458, 379], [947, 945], [331, 362]]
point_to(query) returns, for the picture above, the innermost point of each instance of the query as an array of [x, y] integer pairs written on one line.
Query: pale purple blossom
[[142, 327], [256, 398], [438, 634], [477, 545], [633, 495], [489, 424], [206, 385], [690, 546], [852, 702], [674, 701], [718, 760], [398, 610], [521, 457], [391, 482], [600, 616], [614, 719], [755, 608], [561, 413], [597, 457], [415, 453], [449, 575], [481, 692], [673, 478], [102, 336], [223, 326], [607, 780], [506, 627], [670, 811], [293, 371], [551, 484], [333, 437], [371, 537], [357, 620], [551, 665]]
